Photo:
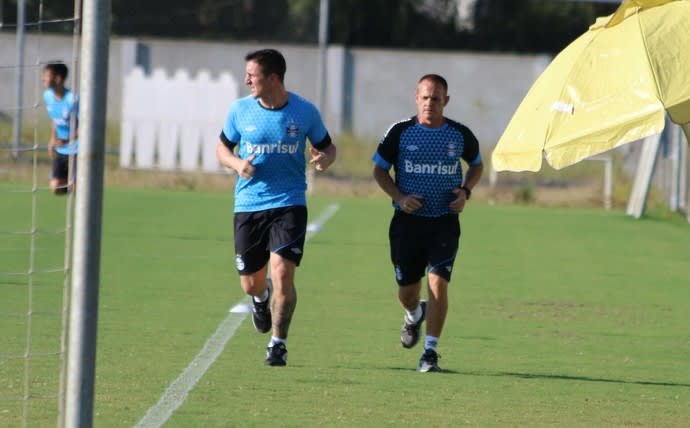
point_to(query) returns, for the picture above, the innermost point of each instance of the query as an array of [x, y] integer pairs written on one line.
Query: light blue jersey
[[59, 112], [278, 139]]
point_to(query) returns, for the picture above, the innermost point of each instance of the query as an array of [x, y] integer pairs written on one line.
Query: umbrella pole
[[643, 177], [686, 131], [684, 174]]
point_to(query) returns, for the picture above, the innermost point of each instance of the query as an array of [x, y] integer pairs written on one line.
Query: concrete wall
[[484, 89], [367, 89], [41, 50]]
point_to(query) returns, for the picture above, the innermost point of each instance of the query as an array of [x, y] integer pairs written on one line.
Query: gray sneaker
[[261, 311], [409, 334], [429, 362]]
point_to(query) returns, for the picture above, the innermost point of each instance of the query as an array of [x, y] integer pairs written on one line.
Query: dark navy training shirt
[[427, 161]]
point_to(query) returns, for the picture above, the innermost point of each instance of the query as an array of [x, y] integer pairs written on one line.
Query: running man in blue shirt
[[428, 193], [61, 104], [269, 128]]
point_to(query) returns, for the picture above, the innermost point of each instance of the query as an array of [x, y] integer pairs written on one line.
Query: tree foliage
[[39, 16], [532, 25], [397, 24], [499, 25]]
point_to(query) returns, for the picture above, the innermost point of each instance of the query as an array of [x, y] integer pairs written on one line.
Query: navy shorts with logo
[[61, 167], [260, 233], [420, 243]]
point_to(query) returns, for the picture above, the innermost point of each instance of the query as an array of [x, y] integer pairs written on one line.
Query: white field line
[[177, 392]]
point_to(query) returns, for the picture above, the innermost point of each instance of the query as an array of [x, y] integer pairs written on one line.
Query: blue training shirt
[[427, 161], [60, 112], [278, 139]]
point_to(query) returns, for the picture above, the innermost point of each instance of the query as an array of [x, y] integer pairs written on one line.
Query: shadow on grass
[[412, 369], [553, 377], [582, 379]]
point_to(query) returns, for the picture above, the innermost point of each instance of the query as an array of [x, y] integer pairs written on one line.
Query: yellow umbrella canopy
[[611, 86]]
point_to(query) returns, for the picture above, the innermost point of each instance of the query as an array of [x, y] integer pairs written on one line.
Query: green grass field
[[568, 317]]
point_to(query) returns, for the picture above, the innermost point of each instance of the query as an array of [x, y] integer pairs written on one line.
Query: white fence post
[[607, 196], [174, 123]]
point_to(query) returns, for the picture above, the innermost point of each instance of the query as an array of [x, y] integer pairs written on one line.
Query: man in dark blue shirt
[[428, 193]]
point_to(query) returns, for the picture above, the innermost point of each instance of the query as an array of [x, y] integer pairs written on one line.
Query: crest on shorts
[[239, 262], [292, 129]]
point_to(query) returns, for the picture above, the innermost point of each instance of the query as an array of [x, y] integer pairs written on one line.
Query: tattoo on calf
[[282, 314]]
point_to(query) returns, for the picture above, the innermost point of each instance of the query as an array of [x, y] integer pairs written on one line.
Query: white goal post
[[83, 317]]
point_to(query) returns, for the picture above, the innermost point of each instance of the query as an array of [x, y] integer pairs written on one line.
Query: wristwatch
[[468, 193]]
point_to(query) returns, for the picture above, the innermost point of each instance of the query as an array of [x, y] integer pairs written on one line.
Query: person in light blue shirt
[[62, 106], [269, 129], [428, 192]]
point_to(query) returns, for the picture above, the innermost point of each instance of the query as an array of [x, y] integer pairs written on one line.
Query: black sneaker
[[261, 311], [429, 362], [276, 355], [409, 334]]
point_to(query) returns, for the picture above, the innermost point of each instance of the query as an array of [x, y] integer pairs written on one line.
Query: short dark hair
[[57, 68], [270, 61], [436, 79]]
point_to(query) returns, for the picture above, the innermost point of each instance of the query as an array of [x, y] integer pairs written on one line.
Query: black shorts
[[61, 167], [260, 233], [420, 243]]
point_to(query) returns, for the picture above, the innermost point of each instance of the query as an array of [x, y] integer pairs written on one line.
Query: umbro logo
[[250, 128], [296, 250], [412, 148]]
